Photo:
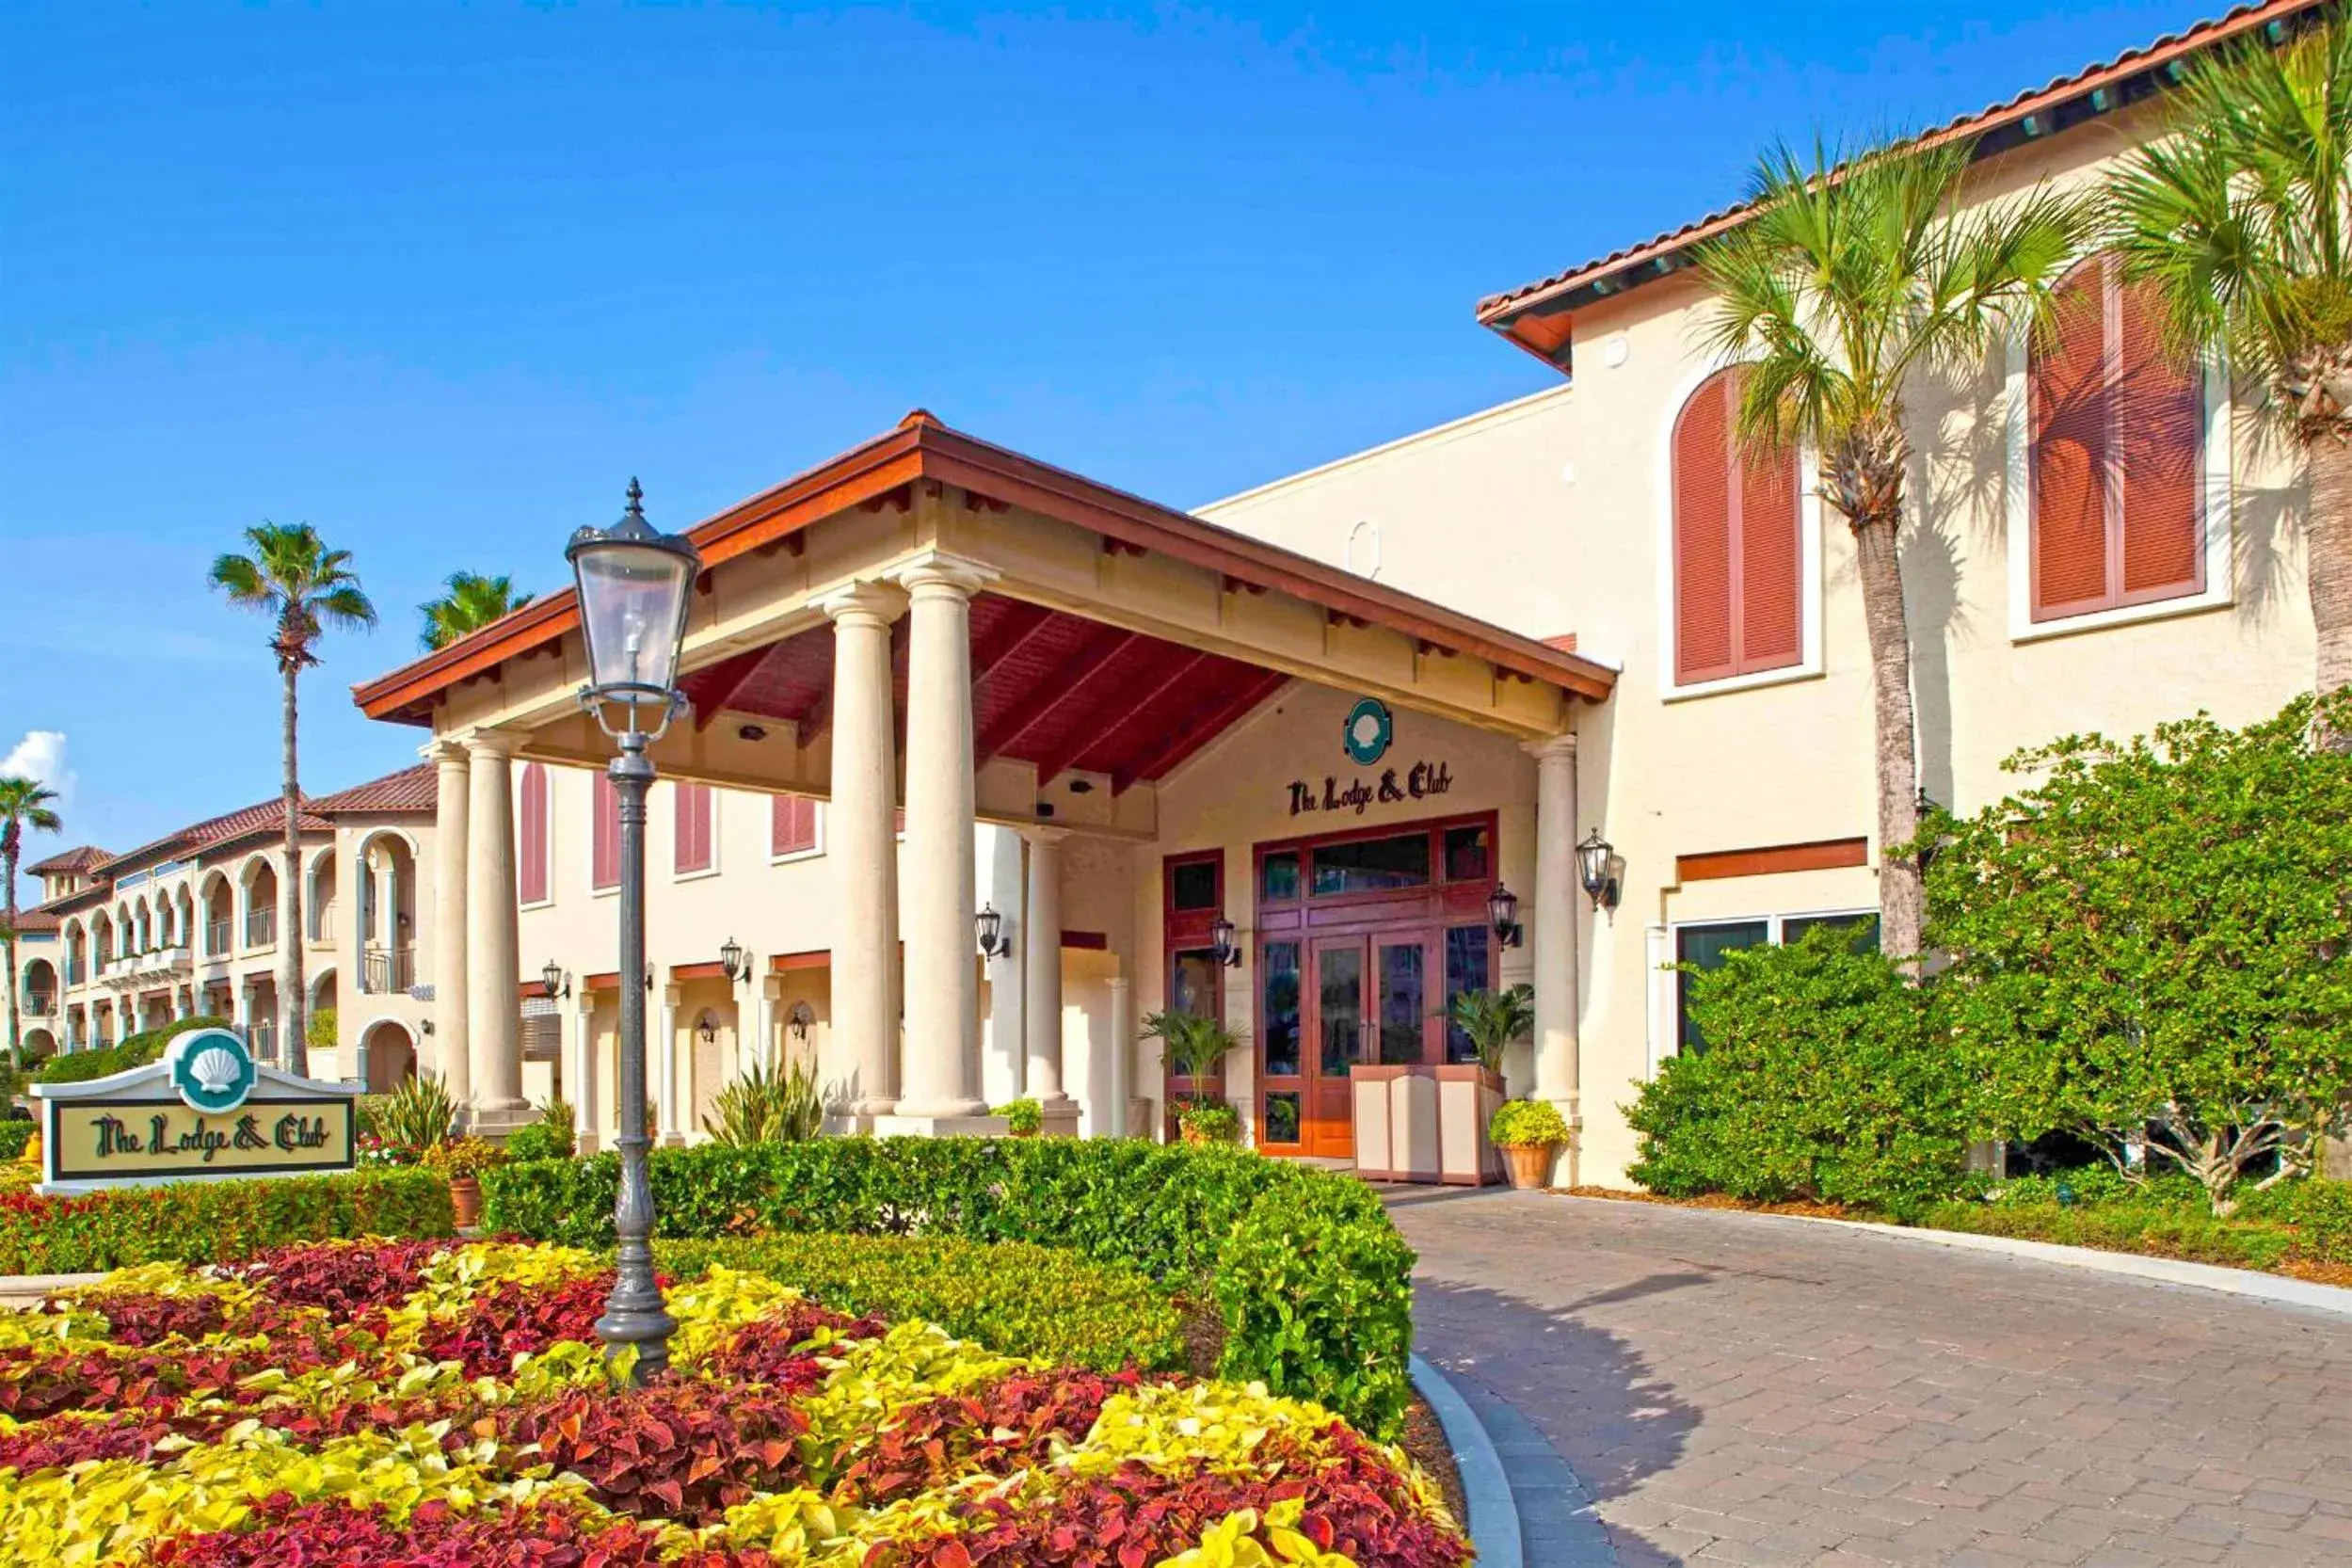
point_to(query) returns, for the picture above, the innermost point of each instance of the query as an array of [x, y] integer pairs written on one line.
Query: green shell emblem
[[1367, 733], [211, 1071]]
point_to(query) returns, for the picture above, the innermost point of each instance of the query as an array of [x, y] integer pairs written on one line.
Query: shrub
[[135, 1051], [416, 1115], [1184, 1216], [1528, 1124], [1210, 1121], [463, 1158], [211, 1222], [1490, 1020], [763, 1107], [1819, 1081], [14, 1136], [1023, 1118], [2155, 937], [1012, 1296], [318, 1031], [551, 1137], [1195, 1046]]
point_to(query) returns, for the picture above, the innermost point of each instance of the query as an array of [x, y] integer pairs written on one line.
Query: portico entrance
[[1362, 939]]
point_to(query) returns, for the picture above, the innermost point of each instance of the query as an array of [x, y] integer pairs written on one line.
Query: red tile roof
[[34, 919], [2131, 62], [82, 857], [416, 789]]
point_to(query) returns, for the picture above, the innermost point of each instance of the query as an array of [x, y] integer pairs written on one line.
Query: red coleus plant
[[346, 1279], [38, 1383], [682, 1450], [996, 1428], [774, 1350], [338, 1535], [511, 1318]]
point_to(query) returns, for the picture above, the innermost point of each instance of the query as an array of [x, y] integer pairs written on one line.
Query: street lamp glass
[[1502, 912], [634, 585]]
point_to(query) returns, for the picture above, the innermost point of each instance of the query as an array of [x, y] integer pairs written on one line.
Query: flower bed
[[1313, 1282], [431, 1403], [205, 1221]]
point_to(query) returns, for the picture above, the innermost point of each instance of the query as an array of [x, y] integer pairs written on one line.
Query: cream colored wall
[[1235, 796], [1548, 516]]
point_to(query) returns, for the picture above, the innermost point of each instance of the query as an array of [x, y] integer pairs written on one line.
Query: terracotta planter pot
[[1531, 1164], [465, 1197], [1191, 1135]]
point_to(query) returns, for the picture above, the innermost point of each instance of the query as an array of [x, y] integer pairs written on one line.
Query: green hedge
[[213, 1222], [1314, 1284], [136, 1051], [14, 1135], [1012, 1296], [2154, 1228]]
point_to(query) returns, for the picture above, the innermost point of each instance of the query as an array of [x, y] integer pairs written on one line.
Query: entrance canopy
[[1110, 639]]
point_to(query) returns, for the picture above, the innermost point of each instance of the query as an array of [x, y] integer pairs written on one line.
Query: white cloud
[[40, 755]]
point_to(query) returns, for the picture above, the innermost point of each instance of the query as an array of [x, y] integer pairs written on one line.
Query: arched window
[[1737, 545], [2116, 459], [531, 828]]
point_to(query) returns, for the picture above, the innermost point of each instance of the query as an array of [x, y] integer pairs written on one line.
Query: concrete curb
[[2251, 1283], [29, 1290], [1494, 1522]]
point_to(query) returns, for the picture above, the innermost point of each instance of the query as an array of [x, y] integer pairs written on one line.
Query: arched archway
[[388, 1056], [220, 902], [385, 871], [259, 880], [39, 1042], [101, 940], [38, 988], [320, 907]]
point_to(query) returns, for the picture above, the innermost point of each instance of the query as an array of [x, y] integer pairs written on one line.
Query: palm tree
[[471, 603], [23, 803], [1850, 282], [2236, 224], [303, 587]]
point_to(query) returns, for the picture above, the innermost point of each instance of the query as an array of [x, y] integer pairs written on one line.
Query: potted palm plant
[[1529, 1133], [1195, 1047], [1470, 1093]]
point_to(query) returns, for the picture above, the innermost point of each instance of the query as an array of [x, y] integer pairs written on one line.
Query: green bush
[[2154, 1226], [1312, 1281], [211, 1222], [1528, 1124], [1023, 1117], [135, 1051], [1820, 1081], [1012, 1296], [548, 1138], [14, 1136]]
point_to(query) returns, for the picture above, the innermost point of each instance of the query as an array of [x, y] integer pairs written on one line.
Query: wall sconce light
[[731, 961], [799, 1020], [648, 977], [994, 943], [707, 1026], [1502, 914], [1596, 868], [1224, 941], [553, 981]]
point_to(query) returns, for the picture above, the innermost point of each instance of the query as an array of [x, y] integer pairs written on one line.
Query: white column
[[942, 1064], [451, 1045], [765, 1052], [244, 1018], [387, 884], [1112, 1120], [582, 1024], [1558, 1073], [494, 999], [1040, 939], [861, 845], [665, 1068]]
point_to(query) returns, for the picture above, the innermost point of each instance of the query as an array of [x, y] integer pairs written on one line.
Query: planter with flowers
[[461, 1162], [1023, 1118], [1530, 1133]]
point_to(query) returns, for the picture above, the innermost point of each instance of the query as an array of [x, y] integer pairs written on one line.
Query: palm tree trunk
[[2328, 540], [16, 1008], [293, 1042], [1902, 900]]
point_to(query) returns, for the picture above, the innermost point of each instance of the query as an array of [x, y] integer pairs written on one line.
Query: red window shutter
[[2159, 424], [1703, 499], [1771, 633], [604, 858], [2070, 419], [533, 831], [693, 830], [792, 824]]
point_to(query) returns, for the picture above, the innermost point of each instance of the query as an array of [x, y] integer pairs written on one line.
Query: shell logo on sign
[[1367, 731], [211, 1071]]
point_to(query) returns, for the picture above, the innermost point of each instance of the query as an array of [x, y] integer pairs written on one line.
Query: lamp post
[[634, 586]]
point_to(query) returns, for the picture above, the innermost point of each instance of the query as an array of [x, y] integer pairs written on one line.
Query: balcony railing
[[260, 928], [41, 1004], [261, 1040], [218, 943], [388, 971]]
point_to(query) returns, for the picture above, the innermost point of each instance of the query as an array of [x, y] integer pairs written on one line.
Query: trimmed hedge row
[[1010, 1296], [213, 1222], [1314, 1284], [136, 1051], [14, 1138]]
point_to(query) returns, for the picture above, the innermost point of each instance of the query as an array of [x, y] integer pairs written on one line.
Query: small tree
[[2152, 946]]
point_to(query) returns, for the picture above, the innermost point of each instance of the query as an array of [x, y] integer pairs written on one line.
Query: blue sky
[[439, 280]]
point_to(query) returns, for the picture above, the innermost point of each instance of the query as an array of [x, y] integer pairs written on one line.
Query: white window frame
[[1809, 663], [792, 855], [2220, 587], [1665, 940]]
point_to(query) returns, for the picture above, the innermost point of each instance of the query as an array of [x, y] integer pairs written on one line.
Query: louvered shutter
[[604, 858], [2159, 424], [693, 827], [1703, 499], [533, 831], [2070, 459], [792, 824], [1771, 634]]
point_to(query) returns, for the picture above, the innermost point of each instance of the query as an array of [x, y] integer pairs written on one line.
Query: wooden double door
[[1355, 1000]]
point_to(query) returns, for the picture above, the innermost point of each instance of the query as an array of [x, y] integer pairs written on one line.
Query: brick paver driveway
[[1734, 1388]]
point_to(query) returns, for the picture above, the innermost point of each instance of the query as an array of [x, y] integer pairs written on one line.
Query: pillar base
[[941, 1127], [1058, 1119], [1143, 1118], [495, 1122]]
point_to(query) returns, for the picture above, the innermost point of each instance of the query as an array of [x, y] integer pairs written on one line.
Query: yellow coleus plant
[[874, 1379], [454, 1277], [712, 1307], [1249, 1539]]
